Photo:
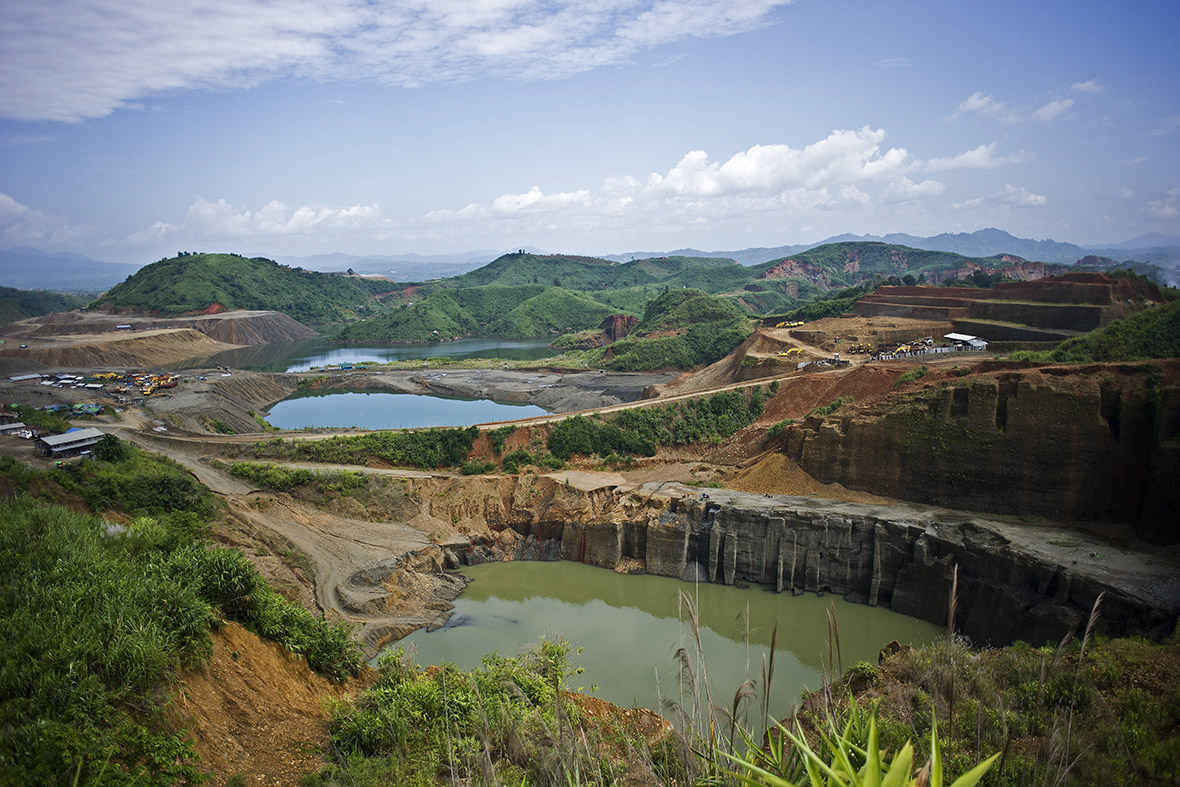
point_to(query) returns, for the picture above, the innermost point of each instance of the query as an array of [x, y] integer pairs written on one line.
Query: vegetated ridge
[[19, 304], [210, 283]]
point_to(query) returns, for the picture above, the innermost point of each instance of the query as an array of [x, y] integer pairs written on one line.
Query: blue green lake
[[630, 627], [378, 410]]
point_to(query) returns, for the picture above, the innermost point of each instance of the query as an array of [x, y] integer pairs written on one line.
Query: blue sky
[[130, 129]]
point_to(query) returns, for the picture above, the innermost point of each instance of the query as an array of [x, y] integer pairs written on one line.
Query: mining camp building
[[966, 342], [68, 444]]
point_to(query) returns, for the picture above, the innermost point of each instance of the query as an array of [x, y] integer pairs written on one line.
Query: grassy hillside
[[19, 304], [679, 329], [517, 312], [1150, 334], [194, 282], [97, 618]]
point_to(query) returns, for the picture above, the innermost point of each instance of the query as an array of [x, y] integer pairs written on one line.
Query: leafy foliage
[[639, 431], [425, 448], [505, 722], [282, 478]]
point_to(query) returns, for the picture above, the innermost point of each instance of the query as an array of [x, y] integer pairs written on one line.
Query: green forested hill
[[495, 310], [518, 295], [18, 304], [679, 329], [193, 282]]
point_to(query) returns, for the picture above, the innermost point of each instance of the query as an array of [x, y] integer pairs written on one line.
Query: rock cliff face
[[1088, 444], [1010, 585]]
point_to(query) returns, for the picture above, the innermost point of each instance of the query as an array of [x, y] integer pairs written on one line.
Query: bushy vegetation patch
[[831, 407], [1149, 334], [42, 419], [136, 483], [1089, 714], [498, 437], [640, 430], [520, 459], [96, 617], [505, 722], [282, 478], [426, 449], [911, 375], [92, 624]]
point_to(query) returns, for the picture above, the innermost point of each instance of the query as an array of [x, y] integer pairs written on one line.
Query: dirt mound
[[775, 474], [798, 396], [255, 710], [143, 348]]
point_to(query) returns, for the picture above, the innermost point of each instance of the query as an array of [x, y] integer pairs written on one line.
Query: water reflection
[[301, 356]]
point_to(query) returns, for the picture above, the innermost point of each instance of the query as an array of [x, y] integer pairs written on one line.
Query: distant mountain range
[[981, 243], [27, 268]]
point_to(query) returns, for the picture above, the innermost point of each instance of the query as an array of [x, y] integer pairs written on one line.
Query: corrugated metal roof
[[958, 337], [53, 441]]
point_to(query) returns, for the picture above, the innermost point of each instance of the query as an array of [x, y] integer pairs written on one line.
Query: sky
[[132, 129]]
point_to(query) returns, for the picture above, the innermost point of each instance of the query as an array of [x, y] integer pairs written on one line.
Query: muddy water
[[369, 410], [630, 627]]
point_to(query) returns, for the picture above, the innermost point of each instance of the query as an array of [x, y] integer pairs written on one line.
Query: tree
[[110, 449]]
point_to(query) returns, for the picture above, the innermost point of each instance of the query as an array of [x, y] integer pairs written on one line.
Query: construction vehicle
[[792, 352]]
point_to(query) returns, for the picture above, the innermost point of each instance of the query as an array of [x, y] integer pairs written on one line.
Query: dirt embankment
[[256, 710], [89, 339], [143, 349], [231, 400], [237, 327]]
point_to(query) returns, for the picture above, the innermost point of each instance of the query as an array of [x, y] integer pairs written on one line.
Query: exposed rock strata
[[1071, 444], [1010, 586]]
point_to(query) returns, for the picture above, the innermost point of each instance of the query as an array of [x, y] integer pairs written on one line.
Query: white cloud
[[988, 106], [25, 226], [1052, 110], [1009, 196], [905, 190], [1166, 207], [894, 62], [67, 60], [844, 156], [1134, 161], [1091, 86], [982, 157]]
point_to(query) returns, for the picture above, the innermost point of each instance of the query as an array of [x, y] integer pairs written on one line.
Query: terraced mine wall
[[898, 557], [1070, 444]]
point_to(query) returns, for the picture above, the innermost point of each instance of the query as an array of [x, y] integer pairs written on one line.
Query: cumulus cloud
[[1052, 110], [982, 157], [67, 60], [844, 156], [1090, 86]]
